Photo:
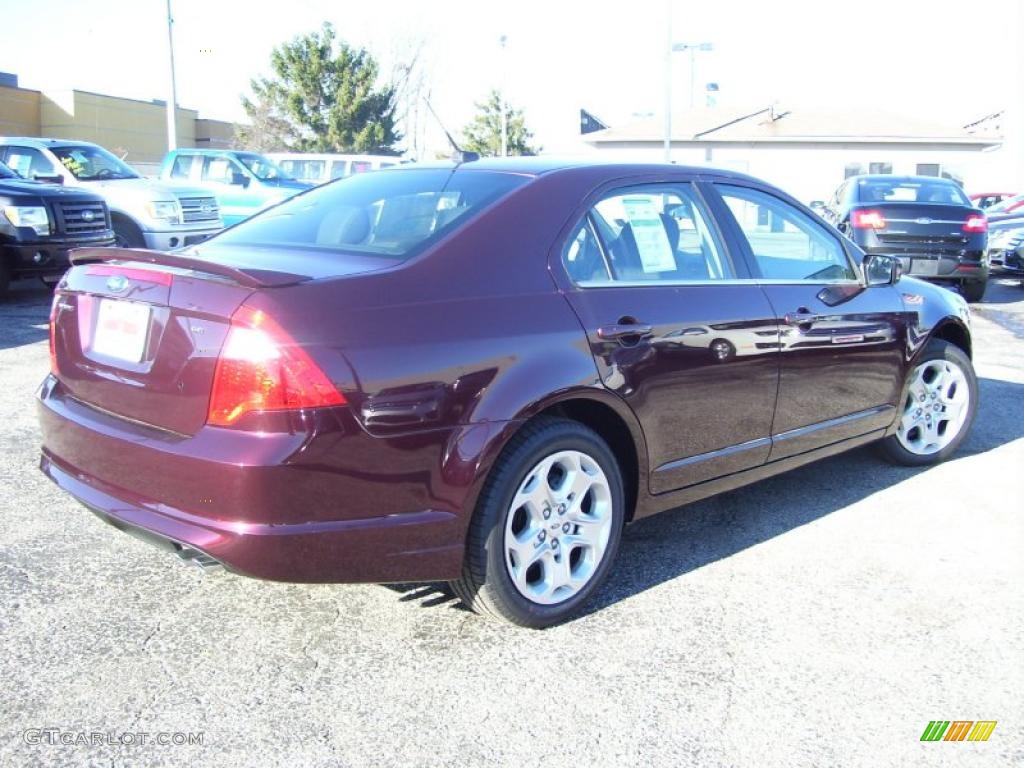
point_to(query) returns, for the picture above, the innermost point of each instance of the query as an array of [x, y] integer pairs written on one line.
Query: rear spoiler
[[248, 277]]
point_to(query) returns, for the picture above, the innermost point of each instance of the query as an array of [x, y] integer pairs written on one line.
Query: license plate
[[925, 267], [121, 330]]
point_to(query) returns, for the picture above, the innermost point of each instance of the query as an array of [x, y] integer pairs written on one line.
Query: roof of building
[[773, 124]]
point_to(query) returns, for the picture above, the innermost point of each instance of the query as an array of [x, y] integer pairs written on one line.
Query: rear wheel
[[546, 527], [939, 403], [973, 290], [6, 273]]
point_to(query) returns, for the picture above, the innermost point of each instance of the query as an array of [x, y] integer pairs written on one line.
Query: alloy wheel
[[936, 407], [557, 527]]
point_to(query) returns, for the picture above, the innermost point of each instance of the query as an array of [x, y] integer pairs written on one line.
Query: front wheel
[[939, 404], [546, 527]]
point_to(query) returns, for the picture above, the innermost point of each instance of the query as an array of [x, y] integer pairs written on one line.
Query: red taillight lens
[[867, 220], [976, 224], [261, 368]]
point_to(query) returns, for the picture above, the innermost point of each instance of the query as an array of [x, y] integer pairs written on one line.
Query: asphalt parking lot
[[820, 618]]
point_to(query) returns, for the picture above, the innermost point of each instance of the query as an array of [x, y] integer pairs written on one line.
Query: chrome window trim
[[590, 284], [930, 220]]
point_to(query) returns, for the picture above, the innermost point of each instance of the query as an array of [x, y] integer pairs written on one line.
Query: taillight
[[867, 220], [53, 332], [262, 368], [976, 223]]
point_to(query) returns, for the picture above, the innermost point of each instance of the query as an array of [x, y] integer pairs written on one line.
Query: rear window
[[394, 214], [896, 191]]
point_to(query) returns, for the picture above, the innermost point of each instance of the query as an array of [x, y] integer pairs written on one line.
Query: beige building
[[134, 130]]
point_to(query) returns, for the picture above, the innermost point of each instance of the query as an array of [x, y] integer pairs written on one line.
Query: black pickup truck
[[40, 223]]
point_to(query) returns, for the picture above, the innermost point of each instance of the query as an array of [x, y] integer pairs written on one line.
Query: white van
[[316, 169]]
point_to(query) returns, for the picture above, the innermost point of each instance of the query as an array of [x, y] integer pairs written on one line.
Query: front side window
[[786, 243], [395, 214], [182, 167], [657, 233], [93, 163], [261, 167]]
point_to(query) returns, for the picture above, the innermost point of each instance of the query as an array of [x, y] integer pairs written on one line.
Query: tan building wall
[[134, 130], [19, 112]]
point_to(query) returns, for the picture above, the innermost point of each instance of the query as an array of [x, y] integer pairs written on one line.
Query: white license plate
[[925, 267], [122, 328]]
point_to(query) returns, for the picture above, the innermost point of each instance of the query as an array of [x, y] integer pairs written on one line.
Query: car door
[[237, 201], [842, 344], [676, 327]]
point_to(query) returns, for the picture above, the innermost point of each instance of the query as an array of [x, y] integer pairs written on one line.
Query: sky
[[938, 58]]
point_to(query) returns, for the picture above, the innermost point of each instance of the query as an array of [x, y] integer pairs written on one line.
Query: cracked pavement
[[818, 618]]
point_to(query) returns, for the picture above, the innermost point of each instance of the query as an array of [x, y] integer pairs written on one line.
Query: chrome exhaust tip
[[200, 559]]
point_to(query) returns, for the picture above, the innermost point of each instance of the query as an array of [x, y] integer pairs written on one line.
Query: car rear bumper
[[179, 238], [312, 507], [938, 267]]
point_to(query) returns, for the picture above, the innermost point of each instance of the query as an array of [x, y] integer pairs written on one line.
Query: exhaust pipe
[[201, 559]]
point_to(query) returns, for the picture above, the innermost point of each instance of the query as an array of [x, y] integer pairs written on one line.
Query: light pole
[[501, 101], [692, 48], [172, 101]]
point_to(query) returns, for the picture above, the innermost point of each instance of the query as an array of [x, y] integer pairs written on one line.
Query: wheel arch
[[955, 332]]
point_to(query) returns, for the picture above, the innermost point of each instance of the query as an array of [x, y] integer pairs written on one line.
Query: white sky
[[939, 58]]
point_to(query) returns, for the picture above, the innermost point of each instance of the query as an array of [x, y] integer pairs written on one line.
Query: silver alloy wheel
[[936, 407], [558, 526]]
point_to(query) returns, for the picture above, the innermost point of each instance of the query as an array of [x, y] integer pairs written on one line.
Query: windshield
[[394, 214], [1005, 204], [93, 163], [7, 173], [262, 168], [907, 191]]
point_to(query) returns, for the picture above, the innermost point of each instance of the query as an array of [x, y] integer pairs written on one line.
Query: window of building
[[928, 169], [879, 167], [853, 169]]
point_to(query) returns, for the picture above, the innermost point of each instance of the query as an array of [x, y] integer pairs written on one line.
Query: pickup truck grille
[[199, 209], [82, 218]]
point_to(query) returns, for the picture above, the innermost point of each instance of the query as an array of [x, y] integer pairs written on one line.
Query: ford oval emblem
[[88, 215], [117, 283], [923, 220], [206, 208]]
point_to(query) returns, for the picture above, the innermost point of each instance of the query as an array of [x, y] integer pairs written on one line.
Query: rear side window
[[786, 243], [394, 214]]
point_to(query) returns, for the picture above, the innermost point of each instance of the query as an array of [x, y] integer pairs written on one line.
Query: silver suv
[[144, 213]]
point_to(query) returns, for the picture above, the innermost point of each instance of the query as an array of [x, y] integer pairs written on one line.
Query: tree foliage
[[323, 96], [483, 134]]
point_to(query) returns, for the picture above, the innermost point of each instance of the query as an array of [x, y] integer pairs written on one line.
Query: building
[[134, 130], [809, 153]]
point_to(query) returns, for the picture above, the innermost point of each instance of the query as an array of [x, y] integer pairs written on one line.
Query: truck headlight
[[164, 210], [29, 216]]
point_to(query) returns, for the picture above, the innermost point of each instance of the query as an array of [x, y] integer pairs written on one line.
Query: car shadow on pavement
[[24, 314], [665, 546]]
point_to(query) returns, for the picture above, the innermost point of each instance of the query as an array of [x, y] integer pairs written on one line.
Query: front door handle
[[624, 330], [803, 316]]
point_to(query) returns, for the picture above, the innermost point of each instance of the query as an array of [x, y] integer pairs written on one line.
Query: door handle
[[803, 316], [624, 330]]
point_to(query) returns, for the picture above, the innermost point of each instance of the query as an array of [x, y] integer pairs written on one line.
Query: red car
[[478, 374], [988, 199]]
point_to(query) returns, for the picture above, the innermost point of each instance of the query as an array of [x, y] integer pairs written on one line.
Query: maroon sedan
[[480, 373]]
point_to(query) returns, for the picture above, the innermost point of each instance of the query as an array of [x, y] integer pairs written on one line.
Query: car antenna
[[459, 155]]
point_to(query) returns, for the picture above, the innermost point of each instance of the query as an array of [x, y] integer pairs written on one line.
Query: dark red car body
[[441, 359]]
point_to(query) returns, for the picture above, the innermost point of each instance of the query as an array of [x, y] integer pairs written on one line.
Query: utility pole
[[501, 101], [172, 97]]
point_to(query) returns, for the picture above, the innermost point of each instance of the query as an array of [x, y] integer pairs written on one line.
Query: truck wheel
[[973, 290], [546, 527], [127, 235], [6, 273]]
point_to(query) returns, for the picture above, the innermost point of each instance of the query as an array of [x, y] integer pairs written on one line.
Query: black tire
[[973, 290], [6, 273], [486, 586], [127, 234], [937, 349]]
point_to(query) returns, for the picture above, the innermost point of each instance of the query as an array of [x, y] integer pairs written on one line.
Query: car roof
[[38, 141]]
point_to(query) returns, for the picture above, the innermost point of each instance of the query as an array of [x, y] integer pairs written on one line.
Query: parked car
[[1006, 251], [471, 374], [985, 200], [144, 213], [39, 223], [244, 182], [321, 168], [1010, 207], [928, 223]]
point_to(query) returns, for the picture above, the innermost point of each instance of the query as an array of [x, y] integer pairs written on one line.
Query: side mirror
[[882, 270]]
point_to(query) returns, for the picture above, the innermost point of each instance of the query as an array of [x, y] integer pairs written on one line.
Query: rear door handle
[[621, 331]]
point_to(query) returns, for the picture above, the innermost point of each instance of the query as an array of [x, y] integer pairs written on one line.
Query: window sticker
[[649, 232]]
